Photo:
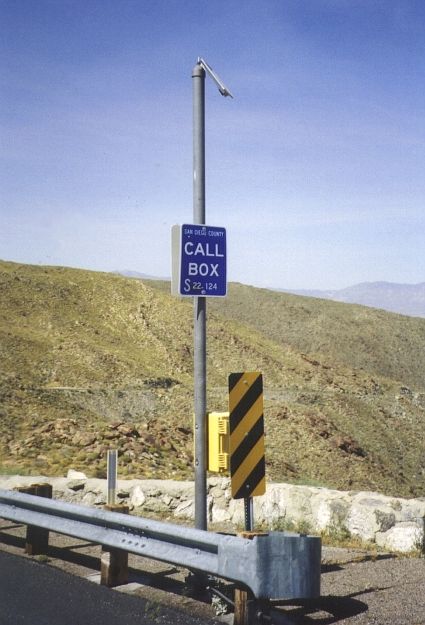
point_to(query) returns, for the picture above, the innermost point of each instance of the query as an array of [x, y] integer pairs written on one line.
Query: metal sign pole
[[200, 303], [249, 513]]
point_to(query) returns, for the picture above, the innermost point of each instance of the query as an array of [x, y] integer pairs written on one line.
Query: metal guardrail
[[277, 565]]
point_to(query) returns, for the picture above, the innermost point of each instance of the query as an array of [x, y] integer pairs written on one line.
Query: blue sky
[[316, 167]]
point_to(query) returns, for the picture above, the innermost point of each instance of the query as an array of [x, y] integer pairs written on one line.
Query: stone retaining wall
[[392, 523]]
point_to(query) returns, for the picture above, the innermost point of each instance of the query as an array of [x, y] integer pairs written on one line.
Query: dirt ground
[[357, 588]]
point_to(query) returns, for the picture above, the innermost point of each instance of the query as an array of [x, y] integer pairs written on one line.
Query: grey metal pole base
[[200, 413]]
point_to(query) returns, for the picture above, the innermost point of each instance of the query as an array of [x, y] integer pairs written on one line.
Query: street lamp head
[[225, 92], [220, 84]]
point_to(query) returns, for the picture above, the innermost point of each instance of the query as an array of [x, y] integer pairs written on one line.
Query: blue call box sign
[[203, 268]]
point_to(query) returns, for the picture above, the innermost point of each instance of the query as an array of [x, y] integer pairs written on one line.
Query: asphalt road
[[33, 593]]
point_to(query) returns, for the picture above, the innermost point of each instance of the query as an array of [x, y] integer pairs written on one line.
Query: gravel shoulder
[[357, 588], [363, 590]]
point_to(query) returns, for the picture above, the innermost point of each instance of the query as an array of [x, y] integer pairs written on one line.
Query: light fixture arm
[[220, 84]]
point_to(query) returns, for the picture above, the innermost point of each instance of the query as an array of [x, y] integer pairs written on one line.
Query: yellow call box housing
[[218, 442]]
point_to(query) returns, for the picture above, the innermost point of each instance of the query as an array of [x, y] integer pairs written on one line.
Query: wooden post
[[241, 607], [246, 605], [37, 538], [114, 562]]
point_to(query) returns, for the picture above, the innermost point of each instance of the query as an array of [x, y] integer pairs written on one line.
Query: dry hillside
[[92, 360]]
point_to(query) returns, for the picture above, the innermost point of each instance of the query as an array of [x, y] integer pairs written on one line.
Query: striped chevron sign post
[[247, 462]]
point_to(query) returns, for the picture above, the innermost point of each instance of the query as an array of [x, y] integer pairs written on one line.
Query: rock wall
[[392, 523]]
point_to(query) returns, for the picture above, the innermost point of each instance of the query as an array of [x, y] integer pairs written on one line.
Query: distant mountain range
[[128, 273], [405, 299]]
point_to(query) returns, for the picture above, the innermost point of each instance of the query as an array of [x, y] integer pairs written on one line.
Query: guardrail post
[[37, 538], [248, 610], [114, 562]]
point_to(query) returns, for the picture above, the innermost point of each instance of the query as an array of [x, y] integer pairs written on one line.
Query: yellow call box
[[218, 442]]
